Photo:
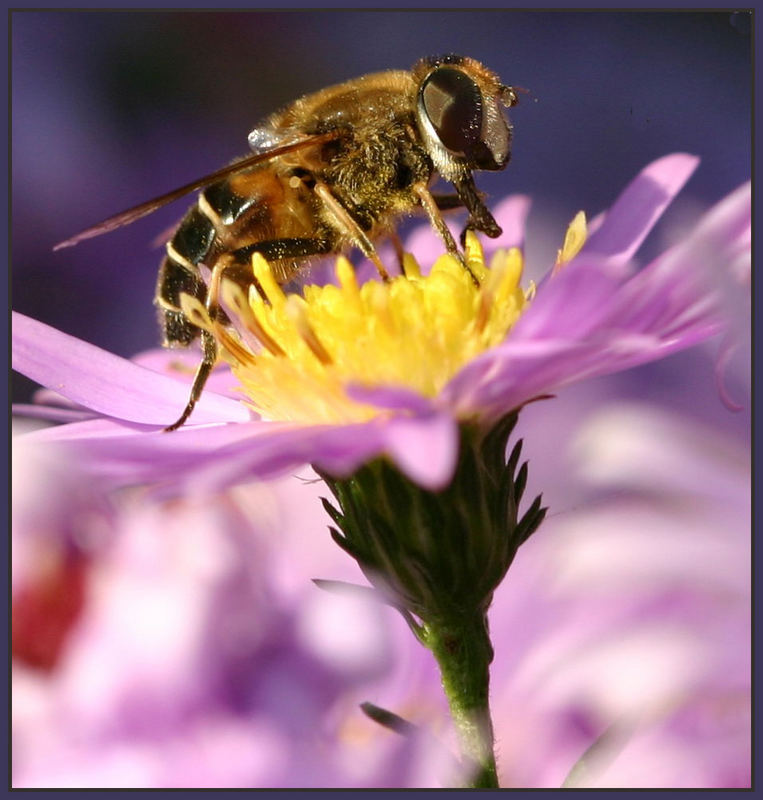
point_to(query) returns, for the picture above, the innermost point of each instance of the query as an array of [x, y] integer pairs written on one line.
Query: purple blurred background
[[110, 109]]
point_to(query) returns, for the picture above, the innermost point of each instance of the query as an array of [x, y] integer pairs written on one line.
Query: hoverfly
[[333, 170]]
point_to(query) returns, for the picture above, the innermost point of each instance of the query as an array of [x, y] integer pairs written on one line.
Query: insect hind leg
[[176, 279], [209, 349], [272, 249]]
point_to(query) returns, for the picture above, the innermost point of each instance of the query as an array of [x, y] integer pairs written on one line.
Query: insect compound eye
[[453, 103]]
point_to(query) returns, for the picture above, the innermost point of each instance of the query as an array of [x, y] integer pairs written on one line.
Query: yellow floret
[[295, 356]]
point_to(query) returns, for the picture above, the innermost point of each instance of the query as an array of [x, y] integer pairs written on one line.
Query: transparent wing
[[142, 210]]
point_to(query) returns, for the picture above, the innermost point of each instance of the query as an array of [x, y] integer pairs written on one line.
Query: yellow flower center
[[414, 332]]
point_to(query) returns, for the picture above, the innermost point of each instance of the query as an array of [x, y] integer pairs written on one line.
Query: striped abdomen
[[179, 274], [235, 217]]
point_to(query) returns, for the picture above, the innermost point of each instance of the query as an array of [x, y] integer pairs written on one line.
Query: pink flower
[[592, 317], [630, 610], [181, 643]]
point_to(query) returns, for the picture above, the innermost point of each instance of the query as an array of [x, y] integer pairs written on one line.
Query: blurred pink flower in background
[[632, 610], [201, 654], [204, 656]]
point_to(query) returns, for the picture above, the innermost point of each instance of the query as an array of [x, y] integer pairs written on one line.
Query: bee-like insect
[[333, 170]]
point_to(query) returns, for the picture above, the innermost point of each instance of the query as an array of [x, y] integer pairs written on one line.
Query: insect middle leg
[[350, 227], [429, 202]]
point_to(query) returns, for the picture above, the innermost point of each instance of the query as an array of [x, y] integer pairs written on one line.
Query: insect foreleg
[[446, 202], [480, 219], [397, 244]]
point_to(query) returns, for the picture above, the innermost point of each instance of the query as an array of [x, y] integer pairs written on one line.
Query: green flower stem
[[462, 649], [438, 557]]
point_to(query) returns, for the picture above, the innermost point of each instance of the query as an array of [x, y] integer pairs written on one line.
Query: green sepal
[[438, 555]]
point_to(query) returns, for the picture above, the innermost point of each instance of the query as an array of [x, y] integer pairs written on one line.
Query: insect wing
[[142, 210]]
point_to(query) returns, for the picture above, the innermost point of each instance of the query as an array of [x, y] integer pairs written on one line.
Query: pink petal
[[96, 379], [593, 319], [207, 458], [425, 449], [627, 223], [393, 398], [181, 365], [511, 214], [51, 413]]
